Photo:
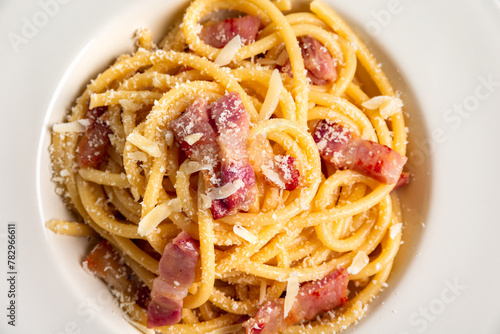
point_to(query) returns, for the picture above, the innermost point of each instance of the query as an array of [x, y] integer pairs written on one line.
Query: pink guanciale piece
[[313, 297], [220, 33], [232, 124], [317, 61], [196, 120], [337, 146], [403, 180], [104, 262], [95, 141], [224, 126], [177, 271]]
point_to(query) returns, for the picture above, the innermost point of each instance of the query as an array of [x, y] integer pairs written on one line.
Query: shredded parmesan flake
[[137, 156], [157, 215], [272, 176], [194, 166], [292, 290], [393, 107], [375, 102], [387, 105], [144, 144], [272, 97], [175, 205], [358, 263], [395, 230], [169, 138], [76, 126], [205, 202], [191, 139], [135, 194], [226, 190], [228, 52], [245, 234]]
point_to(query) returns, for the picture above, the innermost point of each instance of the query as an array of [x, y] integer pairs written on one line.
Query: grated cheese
[[245, 234], [358, 263], [193, 138], [144, 144], [395, 230], [157, 215], [226, 190], [76, 126], [292, 290], [272, 97], [228, 52]]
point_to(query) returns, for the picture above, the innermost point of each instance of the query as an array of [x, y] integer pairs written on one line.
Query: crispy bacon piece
[[105, 263], [317, 61], [220, 33], [177, 271], [337, 146], [95, 141], [232, 124], [313, 297]]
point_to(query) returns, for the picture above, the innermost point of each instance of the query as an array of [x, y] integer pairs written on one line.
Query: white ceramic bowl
[[442, 56]]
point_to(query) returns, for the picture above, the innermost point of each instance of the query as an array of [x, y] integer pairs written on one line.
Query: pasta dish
[[239, 175]]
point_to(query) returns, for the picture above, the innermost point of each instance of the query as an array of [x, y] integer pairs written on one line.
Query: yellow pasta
[[143, 191]]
